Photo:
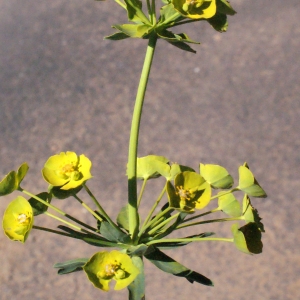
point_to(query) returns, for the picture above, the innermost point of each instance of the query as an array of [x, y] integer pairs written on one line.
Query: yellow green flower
[[196, 9], [18, 219], [67, 170], [191, 191], [106, 266]]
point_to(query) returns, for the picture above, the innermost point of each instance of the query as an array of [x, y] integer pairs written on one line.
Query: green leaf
[[138, 250], [229, 205], [169, 265], [123, 219], [113, 234], [219, 22], [178, 221], [38, 207], [133, 30], [12, 180], [137, 287], [173, 245], [169, 16], [150, 166], [9, 184], [70, 266], [216, 176], [117, 36], [224, 7], [174, 38], [22, 171], [56, 192], [250, 214], [135, 13], [247, 238], [248, 183]]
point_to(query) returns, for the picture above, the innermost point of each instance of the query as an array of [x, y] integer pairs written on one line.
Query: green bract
[[18, 219], [150, 166], [67, 170], [196, 9], [247, 238], [191, 192], [105, 266]]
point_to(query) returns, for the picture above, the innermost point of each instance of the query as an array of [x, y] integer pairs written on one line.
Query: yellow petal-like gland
[[67, 170], [106, 266], [196, 9], [18, 219]]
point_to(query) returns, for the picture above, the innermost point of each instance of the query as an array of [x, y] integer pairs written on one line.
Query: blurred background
[[63, 87]]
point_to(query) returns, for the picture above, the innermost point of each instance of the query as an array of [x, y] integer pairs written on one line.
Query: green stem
[[88, 208], [65, 222], [101, 210], [188, 240], [53, 231], [201, 215], [154, 220], [209, 221], [154, 207], [133, 142], [160, 225], [224, 193], [142, 191], [56, 209]]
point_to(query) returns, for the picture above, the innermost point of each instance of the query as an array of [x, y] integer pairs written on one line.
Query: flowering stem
[[224, 193], [209, 221], [101, 210], [201, 215], [160, 225], [56, 209], [153, 207], [65, 222], [53, 231], [133, 141], [88, 208], [142, 191], [154, 220], [189, 240]]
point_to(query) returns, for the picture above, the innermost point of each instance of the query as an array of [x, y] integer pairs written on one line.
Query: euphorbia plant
[[183, 201]]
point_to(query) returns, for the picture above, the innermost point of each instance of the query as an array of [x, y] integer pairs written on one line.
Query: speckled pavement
[[63, 88]]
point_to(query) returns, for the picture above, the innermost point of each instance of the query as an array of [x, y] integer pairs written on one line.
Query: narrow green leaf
[[117, 36], [71, 266], [113, 234], [169, 265]]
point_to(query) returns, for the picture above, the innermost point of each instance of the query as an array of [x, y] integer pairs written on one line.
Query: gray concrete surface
[[63, 88]]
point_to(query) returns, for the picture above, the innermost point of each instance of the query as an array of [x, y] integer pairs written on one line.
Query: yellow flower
[[106, 266], [67, 170], [190, 192], [18, 219], [196, 9]]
